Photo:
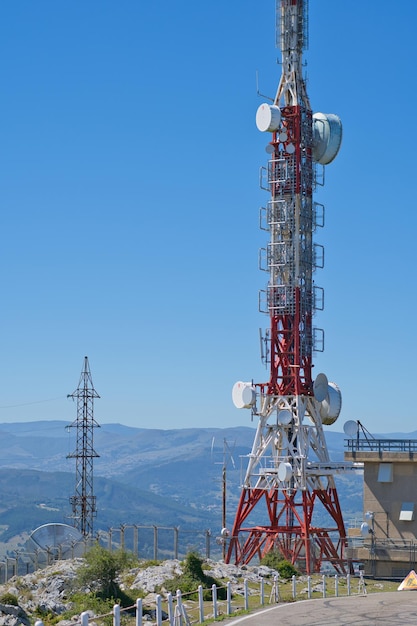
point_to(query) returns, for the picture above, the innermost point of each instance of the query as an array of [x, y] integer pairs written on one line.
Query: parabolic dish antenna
[[350, 428], [268, 117], [243, 395], [331, 405], [284, 472], [56, 536], [284, 417], [320, 387], [364, 529]]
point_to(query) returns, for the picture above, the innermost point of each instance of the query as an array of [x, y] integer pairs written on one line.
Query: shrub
[[88, 602], [286, 569], [272, 559], [100, 571], [275, 560], [9, 598], [194, 576]]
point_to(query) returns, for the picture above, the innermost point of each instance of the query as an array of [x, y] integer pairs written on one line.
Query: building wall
[[390, 494], [387, 499]]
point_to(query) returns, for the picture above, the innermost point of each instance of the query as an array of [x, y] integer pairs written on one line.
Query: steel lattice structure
[[289, 472], [83, 501]]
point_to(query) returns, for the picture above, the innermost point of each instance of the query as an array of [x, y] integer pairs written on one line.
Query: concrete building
[[387, 546]]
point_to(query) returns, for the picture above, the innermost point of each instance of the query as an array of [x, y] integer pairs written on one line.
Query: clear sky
[[129, 162]]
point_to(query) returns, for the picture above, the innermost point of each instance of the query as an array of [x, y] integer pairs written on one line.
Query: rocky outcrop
[[49, 589]]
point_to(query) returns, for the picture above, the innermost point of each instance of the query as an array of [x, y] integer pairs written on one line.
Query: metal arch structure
[[83, 501], [289, 472]]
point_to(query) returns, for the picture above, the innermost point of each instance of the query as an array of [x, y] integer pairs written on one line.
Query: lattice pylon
[[289, 471], [83, 501]]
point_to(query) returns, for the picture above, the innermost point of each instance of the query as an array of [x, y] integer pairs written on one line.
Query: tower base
[[291, 529]]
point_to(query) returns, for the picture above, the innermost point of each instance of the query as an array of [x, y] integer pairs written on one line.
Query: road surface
[[380, 609]]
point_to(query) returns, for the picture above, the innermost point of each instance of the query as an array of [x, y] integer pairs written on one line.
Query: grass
[[285, 595]]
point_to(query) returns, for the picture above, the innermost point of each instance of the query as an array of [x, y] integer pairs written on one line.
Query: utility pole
[[83, 501]]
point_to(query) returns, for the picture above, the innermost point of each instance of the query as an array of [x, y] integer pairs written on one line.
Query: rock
[[51, 587], [154, 576], [11, 615]]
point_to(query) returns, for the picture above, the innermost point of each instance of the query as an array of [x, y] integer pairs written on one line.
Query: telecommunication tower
[[83, 502], [289, 471]]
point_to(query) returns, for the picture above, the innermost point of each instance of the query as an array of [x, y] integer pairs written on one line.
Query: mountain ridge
[[165, 477]]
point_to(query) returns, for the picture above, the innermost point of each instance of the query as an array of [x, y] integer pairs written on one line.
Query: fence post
[[246, 593], [348, 584], [84, 618], [135, 540], [336, 585], [176, 542], [309, 587], [275, 590], [229, 597], [155, 543], [200, 604], [170, 609], [36, 558], [138, 612], [262, 591], [116, 615], [208, 535], [294, 588], [324, 585], [179, 605], [158, 601], [214, 595]]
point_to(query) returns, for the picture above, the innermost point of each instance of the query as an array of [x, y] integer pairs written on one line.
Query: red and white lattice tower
[[289, 481]]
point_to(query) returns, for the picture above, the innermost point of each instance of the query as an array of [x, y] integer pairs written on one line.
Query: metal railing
[[180, 610], [381, 445]]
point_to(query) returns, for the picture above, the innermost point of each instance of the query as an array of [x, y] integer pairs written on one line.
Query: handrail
[[381, 445]]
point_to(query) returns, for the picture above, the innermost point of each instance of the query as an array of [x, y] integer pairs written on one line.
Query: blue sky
[[129, 207]]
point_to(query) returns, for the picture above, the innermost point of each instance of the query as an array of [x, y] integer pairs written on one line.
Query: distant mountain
[[142, 476]]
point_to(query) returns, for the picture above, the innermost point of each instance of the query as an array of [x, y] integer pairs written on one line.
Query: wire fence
[[146, 542]]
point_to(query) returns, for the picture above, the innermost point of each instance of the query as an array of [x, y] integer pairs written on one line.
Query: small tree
[[101, 569], [275, 560], [192, 577]]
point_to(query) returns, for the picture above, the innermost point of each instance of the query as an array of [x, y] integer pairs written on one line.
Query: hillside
[[142, 476]]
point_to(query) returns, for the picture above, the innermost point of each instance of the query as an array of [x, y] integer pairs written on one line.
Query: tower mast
[[84, 501], [289, 472]]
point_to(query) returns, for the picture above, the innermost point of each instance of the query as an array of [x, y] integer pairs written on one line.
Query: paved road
[[382, 609]]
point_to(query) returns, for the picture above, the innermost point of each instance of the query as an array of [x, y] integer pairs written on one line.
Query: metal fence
[[181, 609], [146, 542], [381, 445]]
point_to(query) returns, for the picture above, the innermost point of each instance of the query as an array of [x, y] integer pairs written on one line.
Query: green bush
[[272, 559], [89, 602], [286, 569], [100, 571], [275, 560], [194, 576], [9, 598]]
